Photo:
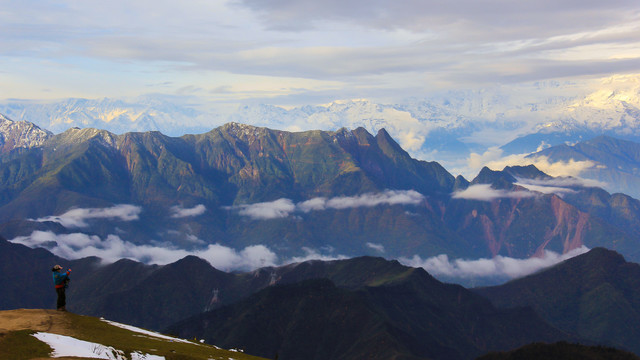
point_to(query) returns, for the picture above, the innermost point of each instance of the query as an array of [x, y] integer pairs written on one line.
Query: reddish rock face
[[507, 227]]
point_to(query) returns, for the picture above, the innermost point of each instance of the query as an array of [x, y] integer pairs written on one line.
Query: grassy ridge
[[19, 344]]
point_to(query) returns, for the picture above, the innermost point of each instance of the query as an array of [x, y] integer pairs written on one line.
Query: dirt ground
[[34, 319]]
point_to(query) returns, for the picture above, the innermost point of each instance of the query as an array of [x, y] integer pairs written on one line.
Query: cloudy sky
[[291, 52]]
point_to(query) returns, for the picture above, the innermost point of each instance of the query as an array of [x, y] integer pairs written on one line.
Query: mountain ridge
[[347, 191], [615, 163], [603, 281], [396, 309]]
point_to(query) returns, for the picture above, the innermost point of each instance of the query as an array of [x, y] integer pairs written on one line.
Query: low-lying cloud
[[559, 186], [563, 182], [77, 218], [283, 208], [313, 254], [180, 212], [499, 266], [493, 158], [113, 248], [280, 208], [484, 192], [377, 247]]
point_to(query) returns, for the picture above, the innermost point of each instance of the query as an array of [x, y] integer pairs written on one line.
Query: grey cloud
[[365, 48], [419, 15], [538, 69]]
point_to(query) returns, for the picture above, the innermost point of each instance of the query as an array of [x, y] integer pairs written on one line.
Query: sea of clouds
[[113, 247]]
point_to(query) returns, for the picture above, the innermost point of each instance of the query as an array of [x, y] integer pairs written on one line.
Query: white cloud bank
[[282, 208], [77, 218], [498, 266], [113, 248]]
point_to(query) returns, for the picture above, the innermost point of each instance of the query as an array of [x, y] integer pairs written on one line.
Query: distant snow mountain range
[[445, 127], [115, 115]]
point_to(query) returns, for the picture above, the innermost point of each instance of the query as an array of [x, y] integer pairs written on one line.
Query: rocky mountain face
[[226, 171], [521, 225], [594, 295], [347, 191]]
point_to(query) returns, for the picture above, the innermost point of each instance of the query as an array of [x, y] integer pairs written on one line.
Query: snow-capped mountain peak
[[20, 134]]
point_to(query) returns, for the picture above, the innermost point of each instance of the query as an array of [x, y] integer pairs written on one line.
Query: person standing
[[60, 281]]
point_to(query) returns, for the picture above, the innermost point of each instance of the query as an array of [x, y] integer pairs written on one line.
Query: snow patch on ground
[[146, 332], [68, 346]]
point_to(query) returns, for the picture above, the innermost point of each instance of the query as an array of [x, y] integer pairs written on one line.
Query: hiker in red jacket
[[60, 280]]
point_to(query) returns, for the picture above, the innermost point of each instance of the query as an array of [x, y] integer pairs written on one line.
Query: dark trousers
[[62, 298]]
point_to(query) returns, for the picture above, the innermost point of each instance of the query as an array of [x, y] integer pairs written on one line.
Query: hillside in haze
[[615, 163]]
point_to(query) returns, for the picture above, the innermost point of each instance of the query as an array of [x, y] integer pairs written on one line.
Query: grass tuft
[[20, 345]]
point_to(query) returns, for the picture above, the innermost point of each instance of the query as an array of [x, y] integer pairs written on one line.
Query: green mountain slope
[[595, 295], [413, 317], [561, 351]]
